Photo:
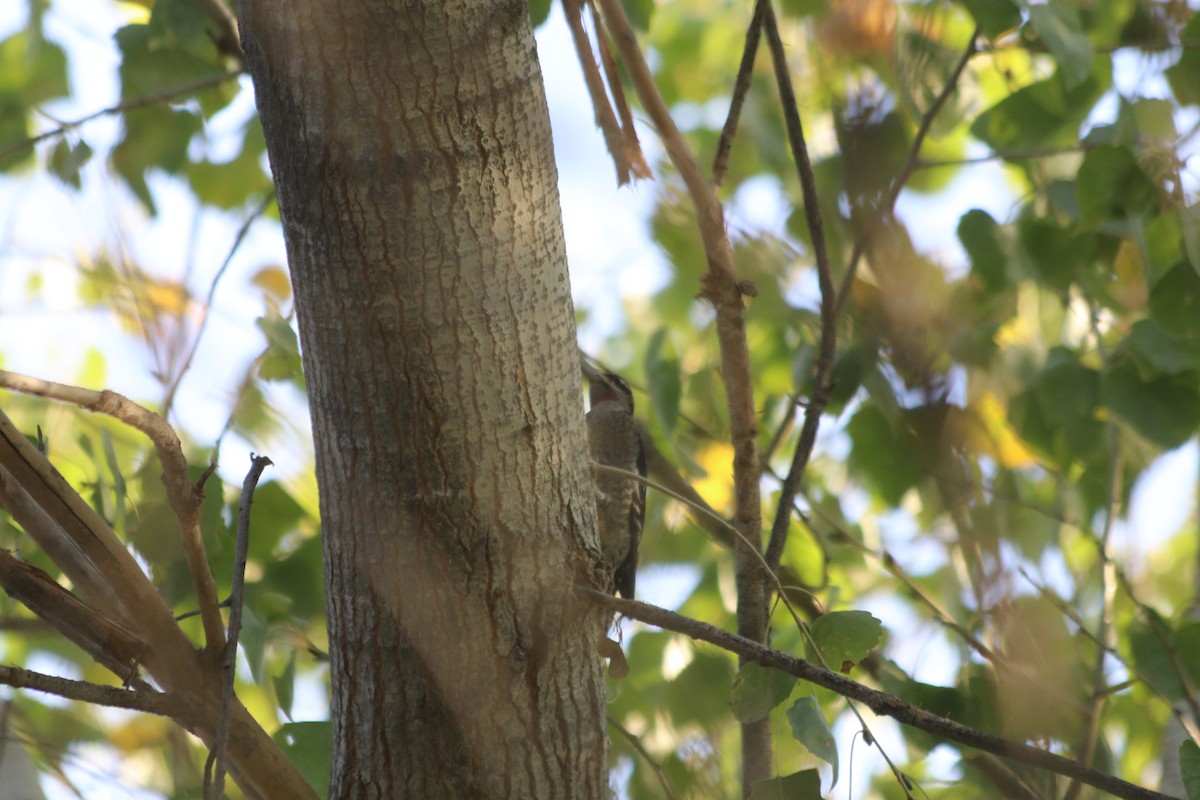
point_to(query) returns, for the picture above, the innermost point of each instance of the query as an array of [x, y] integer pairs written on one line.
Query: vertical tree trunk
[[410, 144]]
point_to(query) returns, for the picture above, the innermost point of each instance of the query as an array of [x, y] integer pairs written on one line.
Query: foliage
[[1016, 350]]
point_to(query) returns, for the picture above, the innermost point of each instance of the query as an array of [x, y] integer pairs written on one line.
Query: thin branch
[[238, 238], [108, 642], [640, 749], [741, 87], [1185, 721], [153, 99], [771, 577], [1005, 155], [151, 702], [828, 342], [910, 164], [719, 285], [605, 119], [182, 495], [229, 666], [879, 702], [1108, 587], [629, 137]]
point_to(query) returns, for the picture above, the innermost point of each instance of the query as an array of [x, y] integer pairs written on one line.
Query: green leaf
[[32, 71], [234, 183], [1111, 185], [120, 490], [1044, 114], [539, 12], [253, 641], [639, 13], [1058, 26], [757, 690], [172, 51], [979, 234], [1155, 349], [663, 381], [309, 746], [1175, 301], [1189, 219], [66, 160], [1066, 389], [811, 730], [804, 785], [1189, 768], [1159, 651], [694, 697], [845, 638], [275, 514], [994, 17], [1058, 255], [1165, 409], [1184, 77], [33, 67], [155, 137], [285, 685], [281, 360], [888, 459]]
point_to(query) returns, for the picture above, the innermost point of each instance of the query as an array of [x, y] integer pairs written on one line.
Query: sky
[[44, 228]]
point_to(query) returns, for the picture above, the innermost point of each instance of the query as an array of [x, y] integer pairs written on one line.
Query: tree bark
[[410, 145]]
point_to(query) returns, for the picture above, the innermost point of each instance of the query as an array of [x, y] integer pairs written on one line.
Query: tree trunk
[[410, 144]]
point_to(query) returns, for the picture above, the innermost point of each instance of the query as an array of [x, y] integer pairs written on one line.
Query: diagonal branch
[[879, 702], [151, 702], [183, 495], [741, 87], [153, 99], [910, 164]]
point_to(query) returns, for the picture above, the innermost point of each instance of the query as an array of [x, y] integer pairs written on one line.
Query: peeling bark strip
[[411, 149]]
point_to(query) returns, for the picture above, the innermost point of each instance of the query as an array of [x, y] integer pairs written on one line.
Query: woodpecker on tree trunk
[[620, 501]]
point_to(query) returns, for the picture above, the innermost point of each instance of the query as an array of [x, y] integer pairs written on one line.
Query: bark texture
[[411, 148]]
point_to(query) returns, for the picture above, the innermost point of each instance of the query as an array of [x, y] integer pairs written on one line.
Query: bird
[[614, 441]]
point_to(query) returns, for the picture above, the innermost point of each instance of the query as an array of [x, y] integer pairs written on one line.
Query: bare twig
[[633, 148], [879, 702], [229, 665], [1107, 576], [238, 238], [1184, 720], [828, 341], [720, 287], [741, 87], [153, 99], [181, 493], [110, 643], [149, 701], [606, 120], [640, 749], [910, 164]]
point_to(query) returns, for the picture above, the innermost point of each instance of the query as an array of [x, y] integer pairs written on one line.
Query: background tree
[[993, 371]]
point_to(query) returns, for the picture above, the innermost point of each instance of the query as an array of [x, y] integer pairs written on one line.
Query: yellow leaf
[[274, 281], [1130, 272], [994, 437], [717, 488]]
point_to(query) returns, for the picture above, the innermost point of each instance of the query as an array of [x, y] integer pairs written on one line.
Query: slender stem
[[878, 701], [229, 665], [720, 287], [828, 342], [741, 87], [910, 164]]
